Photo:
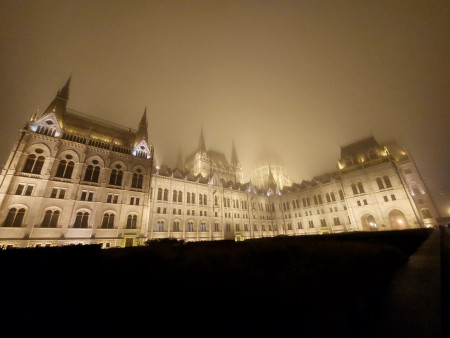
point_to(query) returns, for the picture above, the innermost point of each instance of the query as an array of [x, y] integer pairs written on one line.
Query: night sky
[[295, 78]]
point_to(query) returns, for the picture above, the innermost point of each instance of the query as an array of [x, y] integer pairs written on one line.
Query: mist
[[295, 78]]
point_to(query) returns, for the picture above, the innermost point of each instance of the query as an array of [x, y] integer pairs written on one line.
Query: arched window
[[50, 219], [193, 198], [92, 173], [176, 226], [387, 181], [203, 226], [204, 199], [355, 191], [327, 196], [426, 213], [131, 221], [216, 226], [308, 201], [34, 165], [188, 197], [320, 199], [190, 226], [180, 196], [108, 221], [299, 225], [293, 204], [304, 202], [159, 194], [160, 226], [116, 176], [333, 197], [315, 200], [82, 220], [137, 180], [216, 200], [166, 194], [380, 183], [341, 195], [14, 218], [297, 203], [65, 169], [174, 196], [200, 199], [360, 187]]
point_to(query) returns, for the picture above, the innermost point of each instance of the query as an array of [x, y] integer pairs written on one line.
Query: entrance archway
[[368, 223], [398, 220]]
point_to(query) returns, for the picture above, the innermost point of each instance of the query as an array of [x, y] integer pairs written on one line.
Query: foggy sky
[[299, 78]]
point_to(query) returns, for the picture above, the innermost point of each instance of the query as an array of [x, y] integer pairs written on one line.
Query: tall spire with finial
[[234, 157], [179, 160], [59, 103], [142, 133], [201, 143]]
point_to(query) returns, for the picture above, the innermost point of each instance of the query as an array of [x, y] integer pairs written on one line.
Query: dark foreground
[[315, 286]]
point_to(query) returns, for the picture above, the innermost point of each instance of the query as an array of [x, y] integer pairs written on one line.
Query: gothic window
[[308, 201], [188, 197], [333, 197], [34, 165], [116, 176], [137, 180], [176, 226], [65, 168], [315, 200], [92, 173], [341, 195], [24, 189], [380, 183], [216, 226], [131, 221], [216, 200], [293, 204], [160, 226], [14, 218], [108, 221], [193, 198], [50, 219], [361, 188], [387, 181], [174, 196], [166, 194], [81, 220], [190, 226], [337, 221], [203, 226], [200, 199], [320, 199], [327, 196], [180, 196], [159, 198], [304, 202], [355, 191], [299, 225], [311, 224], [204, 200]]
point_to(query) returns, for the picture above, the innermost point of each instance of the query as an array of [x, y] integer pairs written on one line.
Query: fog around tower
[[297, 78]]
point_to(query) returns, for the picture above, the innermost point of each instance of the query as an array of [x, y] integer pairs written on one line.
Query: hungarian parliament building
[[76, 179]]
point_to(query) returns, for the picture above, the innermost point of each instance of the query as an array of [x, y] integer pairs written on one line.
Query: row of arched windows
[[15, 218], [34, 164]]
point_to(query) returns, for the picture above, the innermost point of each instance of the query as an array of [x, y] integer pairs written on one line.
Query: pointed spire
[[271, 181], [201, 143], [179, 160], [59, 103], [64, 91], [234, 157], [142, 133]]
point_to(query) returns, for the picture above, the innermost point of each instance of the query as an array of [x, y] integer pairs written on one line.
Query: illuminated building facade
[[72, 178]]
